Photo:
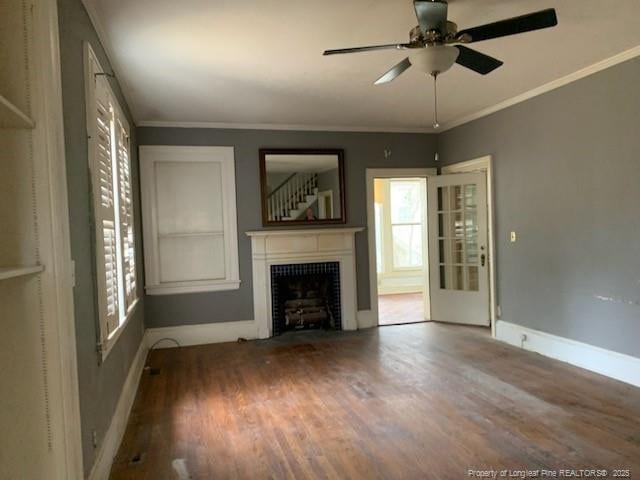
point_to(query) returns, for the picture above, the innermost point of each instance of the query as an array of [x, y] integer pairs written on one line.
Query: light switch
[[514, 237]]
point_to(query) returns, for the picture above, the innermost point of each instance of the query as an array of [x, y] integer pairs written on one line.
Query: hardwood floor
[[421, 401], [400, 308]]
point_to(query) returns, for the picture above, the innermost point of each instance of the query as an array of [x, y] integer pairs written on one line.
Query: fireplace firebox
[[305, 296]]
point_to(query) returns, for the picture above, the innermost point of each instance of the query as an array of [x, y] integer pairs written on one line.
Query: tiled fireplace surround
[[290, 247], [318, 283]]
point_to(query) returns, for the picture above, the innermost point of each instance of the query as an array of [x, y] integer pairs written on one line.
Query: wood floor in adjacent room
[[422, 401], [400, 308]]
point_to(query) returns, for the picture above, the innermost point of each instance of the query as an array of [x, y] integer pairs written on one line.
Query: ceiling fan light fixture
[[434, 58], [430, 43]]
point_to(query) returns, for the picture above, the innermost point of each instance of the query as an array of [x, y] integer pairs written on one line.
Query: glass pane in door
[[459, 254]]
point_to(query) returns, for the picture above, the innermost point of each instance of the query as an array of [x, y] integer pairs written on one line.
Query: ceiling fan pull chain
[[435, 100]]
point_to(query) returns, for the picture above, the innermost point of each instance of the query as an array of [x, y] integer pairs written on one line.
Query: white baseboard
[[205, 333], [202, 334], [113, 436], [366, 319], [605, 362]]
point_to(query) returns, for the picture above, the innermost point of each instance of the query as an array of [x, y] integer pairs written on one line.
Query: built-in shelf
[[12, 117], [19, 271]]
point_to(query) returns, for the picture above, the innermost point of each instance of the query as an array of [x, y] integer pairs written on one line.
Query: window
[[189, 219], [406, 223], [110, 167]]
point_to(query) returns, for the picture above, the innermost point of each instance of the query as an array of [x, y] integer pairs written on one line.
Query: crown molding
[[92, 12], [278, 126], [547, 87]]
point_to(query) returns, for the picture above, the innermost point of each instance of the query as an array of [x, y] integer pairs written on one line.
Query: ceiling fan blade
[[397, 46], [511, 26], [432, 14], [395, 71], [476, 61]]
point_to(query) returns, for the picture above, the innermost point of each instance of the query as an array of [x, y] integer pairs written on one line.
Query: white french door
[[459, 278]]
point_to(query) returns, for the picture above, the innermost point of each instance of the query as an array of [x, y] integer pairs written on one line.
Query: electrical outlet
[[94, 438], [513, 237]]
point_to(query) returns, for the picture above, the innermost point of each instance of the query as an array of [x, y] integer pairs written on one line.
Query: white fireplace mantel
[[283, 247]]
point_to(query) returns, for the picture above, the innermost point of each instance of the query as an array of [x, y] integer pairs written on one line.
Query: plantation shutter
[[102, 173], [126, 214]]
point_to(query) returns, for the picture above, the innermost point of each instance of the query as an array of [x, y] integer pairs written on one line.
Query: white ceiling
[[260, 62]]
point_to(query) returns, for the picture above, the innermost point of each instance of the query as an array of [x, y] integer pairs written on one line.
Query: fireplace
[[305, 296], [274, 250]]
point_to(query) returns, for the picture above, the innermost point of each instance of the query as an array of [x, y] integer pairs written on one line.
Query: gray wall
[[274, 180], [100, 385], [362, 150], [567, 180]]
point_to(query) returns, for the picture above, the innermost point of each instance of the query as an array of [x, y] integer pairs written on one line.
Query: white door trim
[[371, 174], [484, 164], [55, 245], [322, 210]]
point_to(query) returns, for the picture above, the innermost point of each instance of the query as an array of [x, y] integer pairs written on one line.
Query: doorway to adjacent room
[[431, 244], [401, 260]]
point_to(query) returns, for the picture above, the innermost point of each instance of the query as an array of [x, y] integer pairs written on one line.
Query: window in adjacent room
[[406, 222], [110, 167]]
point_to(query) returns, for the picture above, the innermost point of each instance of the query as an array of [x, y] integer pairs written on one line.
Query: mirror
[[302, 186]]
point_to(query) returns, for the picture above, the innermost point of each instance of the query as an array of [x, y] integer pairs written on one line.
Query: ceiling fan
[[431, 42]]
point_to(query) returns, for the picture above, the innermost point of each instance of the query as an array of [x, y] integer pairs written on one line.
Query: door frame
[[55, 246], [371, 174], [484, 164], [321, 205]]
